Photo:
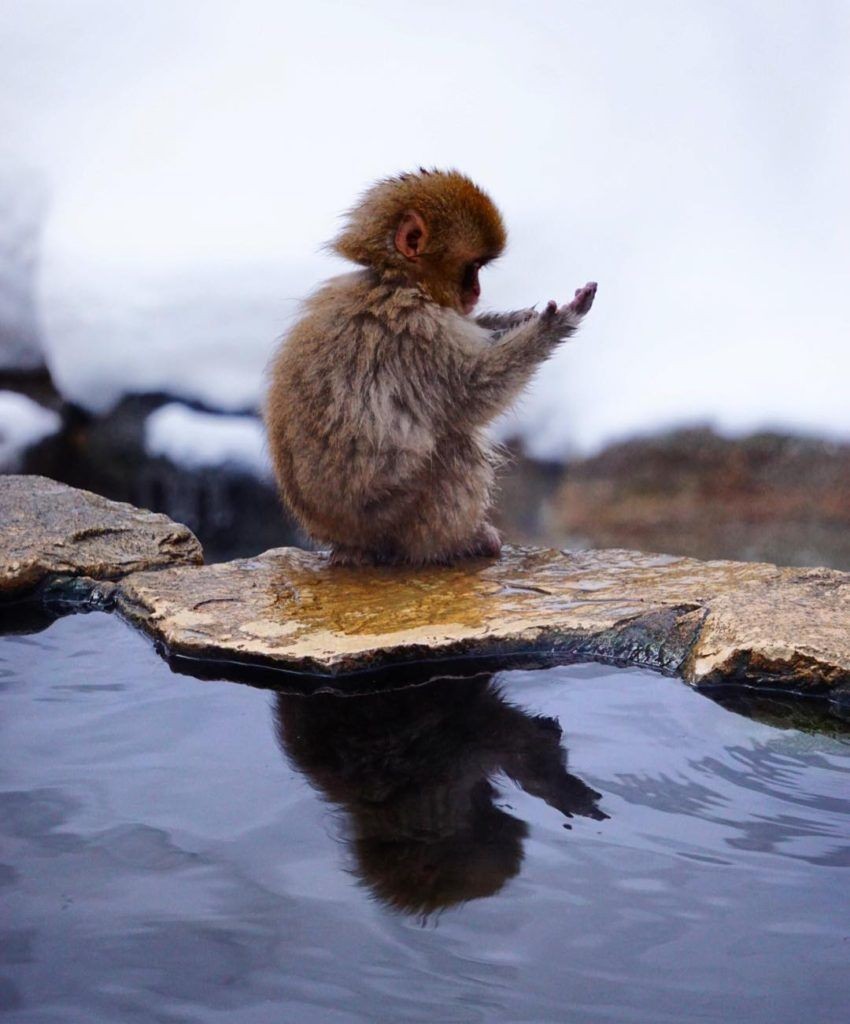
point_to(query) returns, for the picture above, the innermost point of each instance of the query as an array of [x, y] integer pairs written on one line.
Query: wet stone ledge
[[712, 622], [49, 530]]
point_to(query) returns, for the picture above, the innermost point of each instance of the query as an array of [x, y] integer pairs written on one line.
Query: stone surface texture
[[711, 622], [49, 530]]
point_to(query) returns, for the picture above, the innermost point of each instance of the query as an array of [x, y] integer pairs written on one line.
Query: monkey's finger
[[584, 298]]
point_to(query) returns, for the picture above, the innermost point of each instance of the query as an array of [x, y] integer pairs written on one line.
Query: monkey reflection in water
[[412, 769]]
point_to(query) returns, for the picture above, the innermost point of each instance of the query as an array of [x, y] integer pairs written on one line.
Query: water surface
[[575, 844]]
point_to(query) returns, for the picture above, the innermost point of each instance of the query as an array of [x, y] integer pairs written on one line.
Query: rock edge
[[50, 530]]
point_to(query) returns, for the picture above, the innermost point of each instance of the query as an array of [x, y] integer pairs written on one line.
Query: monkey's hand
[[584, 299], [563, 320]]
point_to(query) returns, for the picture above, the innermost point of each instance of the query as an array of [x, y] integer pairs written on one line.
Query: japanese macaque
[[380, 394]]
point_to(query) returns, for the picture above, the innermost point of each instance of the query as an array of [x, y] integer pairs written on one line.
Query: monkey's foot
[[487, 543], [350, 557]]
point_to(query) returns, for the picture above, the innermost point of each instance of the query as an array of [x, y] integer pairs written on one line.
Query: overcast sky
[[693, 157]]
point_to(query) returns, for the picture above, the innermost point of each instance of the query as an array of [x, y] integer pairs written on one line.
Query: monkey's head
[[436, 227]]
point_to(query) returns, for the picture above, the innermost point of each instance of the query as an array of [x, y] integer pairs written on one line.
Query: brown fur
[[380, 393]]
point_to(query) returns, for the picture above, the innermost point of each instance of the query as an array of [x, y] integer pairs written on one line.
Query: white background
[[693, 157]]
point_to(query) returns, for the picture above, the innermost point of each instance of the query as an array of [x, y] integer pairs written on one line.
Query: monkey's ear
[[411, 235]]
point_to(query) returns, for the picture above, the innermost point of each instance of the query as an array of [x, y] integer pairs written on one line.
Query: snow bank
[[204, 334], [693, 158], [23, 423], [201, 440]]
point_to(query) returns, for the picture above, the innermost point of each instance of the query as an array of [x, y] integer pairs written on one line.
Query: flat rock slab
[[711, 622], [50, 530]]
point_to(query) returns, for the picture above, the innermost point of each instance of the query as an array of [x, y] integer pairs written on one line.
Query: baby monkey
[[380, 394]]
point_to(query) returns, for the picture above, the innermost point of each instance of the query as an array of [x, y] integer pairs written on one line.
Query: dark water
[[442, 854]]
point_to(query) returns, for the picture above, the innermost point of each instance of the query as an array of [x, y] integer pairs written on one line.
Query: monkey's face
[[451, 279], [445, 258]]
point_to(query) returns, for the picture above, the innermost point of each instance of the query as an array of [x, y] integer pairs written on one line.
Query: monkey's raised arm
[[500, 371]]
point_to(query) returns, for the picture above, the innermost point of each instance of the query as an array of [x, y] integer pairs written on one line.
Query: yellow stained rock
[[709, 621]]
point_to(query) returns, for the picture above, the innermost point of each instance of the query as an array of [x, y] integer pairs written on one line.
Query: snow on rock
[[23, 423], [201, 333], [198, 440]]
